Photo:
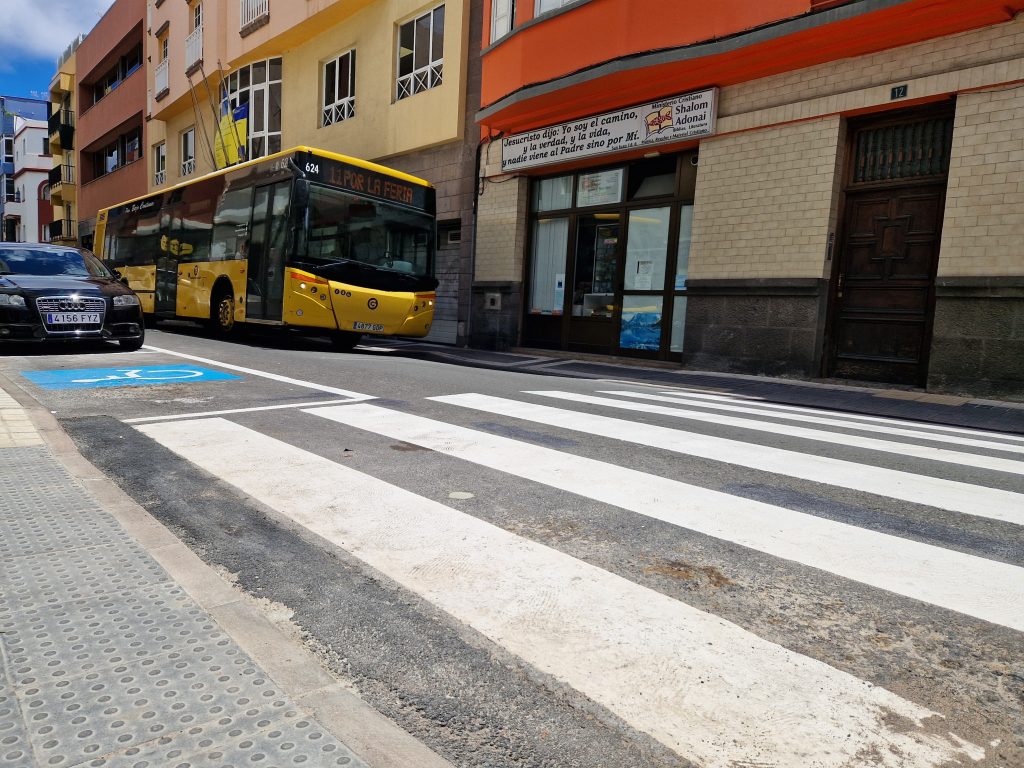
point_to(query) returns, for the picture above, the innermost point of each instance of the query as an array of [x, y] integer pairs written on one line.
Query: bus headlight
[[128, 300], [12, 300]]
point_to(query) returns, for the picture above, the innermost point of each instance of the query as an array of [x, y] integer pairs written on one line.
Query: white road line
[[817, 435], [914, 434], [704, 687], [264, 374], [978, 587], [937, 492], [205, 414], [844, 415]]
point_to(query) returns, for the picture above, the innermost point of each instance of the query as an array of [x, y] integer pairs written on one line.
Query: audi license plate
[[72, 318]]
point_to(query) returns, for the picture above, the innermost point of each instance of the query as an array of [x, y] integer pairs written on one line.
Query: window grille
[[904, 151]]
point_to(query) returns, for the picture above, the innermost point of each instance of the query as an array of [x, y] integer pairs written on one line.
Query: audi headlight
[[12, 300], [128, 300]]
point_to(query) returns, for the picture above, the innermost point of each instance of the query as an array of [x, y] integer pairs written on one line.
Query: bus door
[[268, 235], [166, 300]]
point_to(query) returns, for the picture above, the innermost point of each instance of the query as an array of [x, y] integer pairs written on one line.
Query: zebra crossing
[[706, 687]]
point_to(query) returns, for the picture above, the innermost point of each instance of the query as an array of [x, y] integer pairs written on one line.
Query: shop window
[[683, 247], [641, 323], [547, 273], [646, 249], [339, 89], [502, 18], [599, 188], [420, 53], [553, 194], [652, 178]]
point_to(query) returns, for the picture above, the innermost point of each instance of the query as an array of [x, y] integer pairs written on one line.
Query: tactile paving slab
[[104, 661]]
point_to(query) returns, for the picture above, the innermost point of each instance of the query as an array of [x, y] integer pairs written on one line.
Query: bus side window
[[231, 225], [193, 225]]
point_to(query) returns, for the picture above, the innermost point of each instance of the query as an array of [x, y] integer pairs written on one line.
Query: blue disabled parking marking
[[89, 378]]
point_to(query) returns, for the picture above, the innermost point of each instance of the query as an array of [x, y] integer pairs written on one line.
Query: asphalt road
[[521, 586]]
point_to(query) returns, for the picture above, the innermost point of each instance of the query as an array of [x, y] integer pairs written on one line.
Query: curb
[[379, 742]]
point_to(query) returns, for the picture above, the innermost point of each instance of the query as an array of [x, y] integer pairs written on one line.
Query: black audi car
[[56, 293]]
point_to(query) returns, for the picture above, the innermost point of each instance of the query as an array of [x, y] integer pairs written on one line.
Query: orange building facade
[[110, 129], [788, 187]]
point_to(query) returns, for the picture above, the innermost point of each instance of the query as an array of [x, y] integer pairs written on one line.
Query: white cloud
[[44, 29]]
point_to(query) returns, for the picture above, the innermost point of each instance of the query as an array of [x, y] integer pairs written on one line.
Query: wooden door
[[885, 289]]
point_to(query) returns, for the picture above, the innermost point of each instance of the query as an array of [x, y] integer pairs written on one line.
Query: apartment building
[[802, 188], [63, 229], [11, 108], [110, 125], [29, 215], [394, 82]]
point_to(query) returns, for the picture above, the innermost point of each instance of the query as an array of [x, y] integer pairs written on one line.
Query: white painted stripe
[[844, 415], [986, 589], [937, 492], [704, 687], [817, 435], [205, 414], [266, 375], [914, 434]]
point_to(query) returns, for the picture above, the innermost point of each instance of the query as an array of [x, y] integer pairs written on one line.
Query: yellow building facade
[[63, 175], [383, 81]]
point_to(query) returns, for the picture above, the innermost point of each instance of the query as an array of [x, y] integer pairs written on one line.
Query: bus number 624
[[312, 168]]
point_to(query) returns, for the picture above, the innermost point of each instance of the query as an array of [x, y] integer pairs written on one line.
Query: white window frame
[[235, 94], [197, 16], [425, 77], [547, 6], [159, 164], [502, 18], [188, 162], [341, 107]]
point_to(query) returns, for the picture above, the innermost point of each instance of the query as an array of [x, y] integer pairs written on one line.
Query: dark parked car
[[55, 293]]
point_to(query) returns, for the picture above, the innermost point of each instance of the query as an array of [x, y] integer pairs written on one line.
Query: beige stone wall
[[983, 229], [944, 59], [766, 201], [501, 231]]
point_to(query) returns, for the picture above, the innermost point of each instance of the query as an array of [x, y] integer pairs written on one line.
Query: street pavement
[[116, 653]]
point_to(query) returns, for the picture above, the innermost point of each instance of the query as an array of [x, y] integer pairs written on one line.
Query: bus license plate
[[72, 318], [357, 326]]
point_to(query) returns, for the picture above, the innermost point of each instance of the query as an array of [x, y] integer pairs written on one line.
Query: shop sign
[[689, 116]]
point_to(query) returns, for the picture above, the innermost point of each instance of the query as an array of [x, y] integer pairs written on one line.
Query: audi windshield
[[51, 262]]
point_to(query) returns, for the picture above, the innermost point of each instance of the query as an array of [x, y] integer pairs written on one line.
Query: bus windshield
[[340, 227]]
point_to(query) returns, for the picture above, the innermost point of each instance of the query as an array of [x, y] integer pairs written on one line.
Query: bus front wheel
[[222, 313], [345, 341]]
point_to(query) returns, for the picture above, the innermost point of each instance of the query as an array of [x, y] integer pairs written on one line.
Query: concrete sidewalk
[[120, 648]]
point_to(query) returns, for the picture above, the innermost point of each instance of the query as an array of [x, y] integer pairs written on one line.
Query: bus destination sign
[[363, 181]]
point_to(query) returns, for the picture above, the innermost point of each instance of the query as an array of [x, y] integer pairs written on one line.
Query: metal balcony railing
[[62, 174], [193, 48], [188, 167], [161, 81], [252, 11], [61, 229], [159, 178], [60, 119]]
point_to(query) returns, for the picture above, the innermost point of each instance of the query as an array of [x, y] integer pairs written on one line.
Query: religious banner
[[688, 116]]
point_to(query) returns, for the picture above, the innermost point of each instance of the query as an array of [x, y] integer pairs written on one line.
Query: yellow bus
[[303, 239]]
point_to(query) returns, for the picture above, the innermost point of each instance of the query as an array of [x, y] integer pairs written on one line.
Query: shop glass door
[[594, 276], [643, 284]]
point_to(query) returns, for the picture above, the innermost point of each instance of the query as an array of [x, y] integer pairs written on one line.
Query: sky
[[33, 34]]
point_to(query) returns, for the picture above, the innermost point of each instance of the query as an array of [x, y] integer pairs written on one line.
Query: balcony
[[62, 183], [62, 129], [193, 51], [253, 14], [161, 79], [62, 231], [159, 178]]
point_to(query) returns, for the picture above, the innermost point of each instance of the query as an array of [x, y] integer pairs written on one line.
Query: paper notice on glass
[[642, 281], [559, 296]]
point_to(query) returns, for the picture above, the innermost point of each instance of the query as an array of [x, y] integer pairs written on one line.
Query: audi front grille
[[48, 305]]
